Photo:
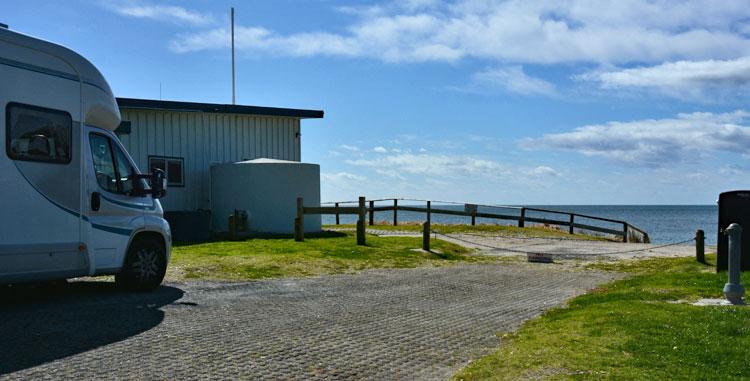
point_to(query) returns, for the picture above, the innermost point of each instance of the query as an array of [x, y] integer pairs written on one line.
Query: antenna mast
[[233, 93]]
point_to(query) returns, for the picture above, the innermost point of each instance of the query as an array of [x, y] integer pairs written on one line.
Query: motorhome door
[[114, 212]]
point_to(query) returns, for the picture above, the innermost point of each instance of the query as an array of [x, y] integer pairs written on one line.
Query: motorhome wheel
[[144, 267]]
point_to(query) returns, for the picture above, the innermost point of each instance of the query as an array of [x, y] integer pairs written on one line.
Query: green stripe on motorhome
[[74, 213], [129, 205], [44, 70], [111, 229]]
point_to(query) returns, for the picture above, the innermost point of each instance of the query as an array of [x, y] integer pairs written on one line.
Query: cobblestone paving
[[405, 324]]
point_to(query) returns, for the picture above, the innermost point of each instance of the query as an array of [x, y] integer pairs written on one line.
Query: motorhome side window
[[38, 134], [114, 173], [172, 167]]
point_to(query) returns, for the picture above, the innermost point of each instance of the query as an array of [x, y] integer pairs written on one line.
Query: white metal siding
[[202, 139]]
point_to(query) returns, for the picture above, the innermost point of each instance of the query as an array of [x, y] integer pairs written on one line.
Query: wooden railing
[[299, 221], [628, 232]]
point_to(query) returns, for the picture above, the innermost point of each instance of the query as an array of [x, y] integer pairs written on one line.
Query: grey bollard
[[733, 290]]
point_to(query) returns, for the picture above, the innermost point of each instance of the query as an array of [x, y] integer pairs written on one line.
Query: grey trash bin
[[734, 207]]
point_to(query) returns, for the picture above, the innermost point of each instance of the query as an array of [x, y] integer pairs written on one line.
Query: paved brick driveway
[[412, 324]]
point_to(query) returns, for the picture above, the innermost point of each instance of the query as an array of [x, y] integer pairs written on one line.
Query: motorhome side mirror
[[158, 183]]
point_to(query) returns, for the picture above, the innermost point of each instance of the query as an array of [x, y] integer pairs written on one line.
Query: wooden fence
[[299, 221], [628, 232]]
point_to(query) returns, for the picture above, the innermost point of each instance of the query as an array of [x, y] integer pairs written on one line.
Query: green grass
[[325, 253], [631, 329], [500, 230]]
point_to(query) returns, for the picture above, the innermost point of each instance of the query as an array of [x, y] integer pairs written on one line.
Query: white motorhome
[[72, 201]]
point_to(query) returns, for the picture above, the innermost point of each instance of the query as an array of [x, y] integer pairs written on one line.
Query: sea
[[663, 223]]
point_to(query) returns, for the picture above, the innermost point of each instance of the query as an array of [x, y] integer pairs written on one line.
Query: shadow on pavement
[[40, 323]]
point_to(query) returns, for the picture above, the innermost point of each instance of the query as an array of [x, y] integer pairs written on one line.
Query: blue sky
[[510, 102]]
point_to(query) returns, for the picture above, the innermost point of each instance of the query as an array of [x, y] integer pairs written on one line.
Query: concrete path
[[387, 324], [569, 248], [558, 248]]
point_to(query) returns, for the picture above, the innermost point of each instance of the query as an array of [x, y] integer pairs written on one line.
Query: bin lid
[[737, 193]]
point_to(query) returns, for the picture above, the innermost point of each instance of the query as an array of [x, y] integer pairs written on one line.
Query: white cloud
[[379, 149], [168, 13], [656, 142], [349, 148], [542, 171], [681, 78], [390, 173], [339, 176], [520, 31], [734, 170], [342, 180], [514, 79], [436, 165]]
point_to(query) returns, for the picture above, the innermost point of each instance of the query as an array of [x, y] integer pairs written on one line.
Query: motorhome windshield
[[113, 169]]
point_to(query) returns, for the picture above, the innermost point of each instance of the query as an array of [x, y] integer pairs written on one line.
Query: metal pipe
[[733, 290]]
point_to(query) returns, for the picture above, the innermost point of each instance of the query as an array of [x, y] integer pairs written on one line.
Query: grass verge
[[499, 230], [325, 253], [631, 329]]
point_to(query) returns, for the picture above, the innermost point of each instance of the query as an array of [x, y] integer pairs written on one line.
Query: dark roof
[[151, 104]]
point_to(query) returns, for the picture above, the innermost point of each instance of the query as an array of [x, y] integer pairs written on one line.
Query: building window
[[38, 134], [172, 167]]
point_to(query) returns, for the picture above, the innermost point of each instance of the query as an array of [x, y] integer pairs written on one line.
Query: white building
[[186, 138]]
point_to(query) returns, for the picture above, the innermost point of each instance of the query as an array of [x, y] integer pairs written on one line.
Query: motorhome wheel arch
[[73, 201]]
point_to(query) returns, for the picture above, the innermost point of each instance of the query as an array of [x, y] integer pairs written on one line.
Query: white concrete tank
[[267, 189]]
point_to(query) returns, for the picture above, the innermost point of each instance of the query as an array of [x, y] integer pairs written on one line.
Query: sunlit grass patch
[[639, 328], [325, 253]]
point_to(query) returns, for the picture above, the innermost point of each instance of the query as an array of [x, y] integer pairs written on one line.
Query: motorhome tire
[[145, 266]]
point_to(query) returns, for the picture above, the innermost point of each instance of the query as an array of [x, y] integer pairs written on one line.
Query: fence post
[[570, 228], [700, 251], [473, 217], [426, 236], [372, 213], [395, 212], [337, 213], [299, 222], [361, 222], [523, 216], [429, 211], [625, 232], [733, 290]]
